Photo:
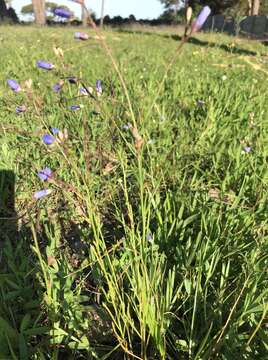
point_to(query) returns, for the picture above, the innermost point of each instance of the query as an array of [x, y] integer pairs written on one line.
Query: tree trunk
[[102, 13], [249, 7], [84, 16], [255, 7], [176, 8], [3, 9], [39, 12]]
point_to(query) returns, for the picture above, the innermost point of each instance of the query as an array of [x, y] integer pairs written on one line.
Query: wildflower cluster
[[54, 136]]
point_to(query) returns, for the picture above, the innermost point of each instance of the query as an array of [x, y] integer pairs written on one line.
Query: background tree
[[255, 7], [173, 5], [219, 6], [27, 10], [49, 10], [7, 13], [264, 7], [251, 7], [3, 9], [83, 16]]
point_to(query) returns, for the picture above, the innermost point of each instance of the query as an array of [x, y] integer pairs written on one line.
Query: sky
[[141, 9]]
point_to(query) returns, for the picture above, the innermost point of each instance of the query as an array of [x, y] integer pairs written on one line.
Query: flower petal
[[201, 19], [41, 193], [81, 35], [48, 139], [14, 85], [45, 174], [44, 65], [64, 13]]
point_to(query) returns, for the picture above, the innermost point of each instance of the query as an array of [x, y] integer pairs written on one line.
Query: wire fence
[[251, 25]]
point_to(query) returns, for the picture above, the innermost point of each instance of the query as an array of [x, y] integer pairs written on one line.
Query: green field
[[153, 243]]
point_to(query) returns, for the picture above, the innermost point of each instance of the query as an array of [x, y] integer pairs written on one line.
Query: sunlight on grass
[[152, 240]]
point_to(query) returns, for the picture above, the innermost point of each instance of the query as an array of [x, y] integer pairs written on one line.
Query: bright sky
[[145, 9]]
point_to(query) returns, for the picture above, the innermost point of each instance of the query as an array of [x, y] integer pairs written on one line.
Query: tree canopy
[[7, 13], [49, 6], [247, 7]]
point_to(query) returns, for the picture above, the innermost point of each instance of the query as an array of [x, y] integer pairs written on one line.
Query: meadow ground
[[153, 241]]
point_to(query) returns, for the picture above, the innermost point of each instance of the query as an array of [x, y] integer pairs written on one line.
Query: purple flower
[[45, 174], [81, 35], [48, 139], [83, 91], [201, 19], [75, 107], [64, 13], [14, 85], [247, 149], [44, 65], [88, 90], [57, 87], [98, 87], [41, 193], [54, 130], [21, 109]]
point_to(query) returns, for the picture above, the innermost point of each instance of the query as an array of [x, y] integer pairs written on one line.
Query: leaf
[[6, 329], [37, 331], [57, 335], [82, 344], [25, 322], [190, 220], [8, 336], [187, 285], [23, 348]]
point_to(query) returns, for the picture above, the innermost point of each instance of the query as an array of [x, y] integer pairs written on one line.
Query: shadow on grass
[[21, 325], [24, 320], [197, 42], [8, 216], [224, 47]]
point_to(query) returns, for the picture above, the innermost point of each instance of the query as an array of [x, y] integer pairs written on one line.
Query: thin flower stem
[[41, 261], [258, 325], [115, 65], [168, 68], [218, 342]]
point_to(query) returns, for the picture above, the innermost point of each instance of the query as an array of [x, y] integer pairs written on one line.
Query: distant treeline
[[253, 25], [7, 14], [117, 21]]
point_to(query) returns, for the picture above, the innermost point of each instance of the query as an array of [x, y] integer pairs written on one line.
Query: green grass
[[156, 251]]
